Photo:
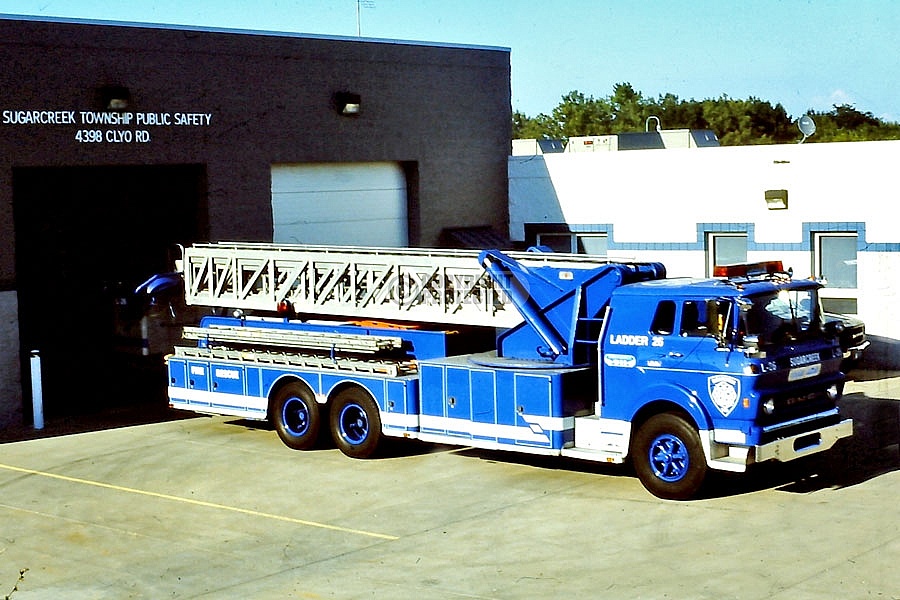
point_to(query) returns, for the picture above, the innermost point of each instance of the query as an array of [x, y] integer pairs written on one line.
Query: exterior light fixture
[[347, 104], [114, 98], [777, 199]]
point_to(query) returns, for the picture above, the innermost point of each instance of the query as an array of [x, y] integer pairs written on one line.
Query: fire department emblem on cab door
[[724, 391]]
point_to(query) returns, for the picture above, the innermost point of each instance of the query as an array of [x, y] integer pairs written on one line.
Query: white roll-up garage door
[[357, 204]]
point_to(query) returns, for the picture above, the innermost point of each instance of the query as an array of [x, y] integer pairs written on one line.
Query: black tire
[[295, 415], [355, 423], [668, 457]]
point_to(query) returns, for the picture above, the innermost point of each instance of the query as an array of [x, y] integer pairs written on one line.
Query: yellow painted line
[[225, 507]]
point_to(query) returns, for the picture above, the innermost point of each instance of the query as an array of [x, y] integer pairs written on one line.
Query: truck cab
[[719, 373]]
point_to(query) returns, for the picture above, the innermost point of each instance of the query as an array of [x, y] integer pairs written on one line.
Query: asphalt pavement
[[212, 507]]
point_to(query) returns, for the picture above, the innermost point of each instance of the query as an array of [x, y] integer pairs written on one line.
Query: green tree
[[745, 122], [678, 114], [525, 127], [735, 121], [630, 110], [578, 114], [844, 123]]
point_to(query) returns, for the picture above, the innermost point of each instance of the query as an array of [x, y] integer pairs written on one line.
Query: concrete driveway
[[209, 507]]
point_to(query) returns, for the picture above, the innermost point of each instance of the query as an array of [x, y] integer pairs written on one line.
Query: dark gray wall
[[445, 110], [75, 194]]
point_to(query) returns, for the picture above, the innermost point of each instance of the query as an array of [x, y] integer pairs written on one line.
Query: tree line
[[736, 122]]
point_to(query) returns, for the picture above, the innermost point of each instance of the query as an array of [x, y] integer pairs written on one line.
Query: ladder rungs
[[349, 365], [284, 338], [395, 284]]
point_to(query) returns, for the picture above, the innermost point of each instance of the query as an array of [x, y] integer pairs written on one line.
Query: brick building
[[120, 140]]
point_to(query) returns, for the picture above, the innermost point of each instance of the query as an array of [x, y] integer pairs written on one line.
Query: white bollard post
[[37, 392]]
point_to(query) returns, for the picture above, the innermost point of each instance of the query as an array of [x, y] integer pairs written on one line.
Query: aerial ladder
[[391, 284], [274, 288]]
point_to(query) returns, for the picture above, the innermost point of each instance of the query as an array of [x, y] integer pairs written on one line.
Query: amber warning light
[[769, 267]]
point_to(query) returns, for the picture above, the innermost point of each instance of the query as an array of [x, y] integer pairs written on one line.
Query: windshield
[[781, 317]]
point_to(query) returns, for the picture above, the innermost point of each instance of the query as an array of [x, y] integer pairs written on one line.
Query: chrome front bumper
[[803, 444], [855, 353]]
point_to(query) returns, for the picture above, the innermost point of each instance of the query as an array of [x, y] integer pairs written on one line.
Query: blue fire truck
[[534, 352]]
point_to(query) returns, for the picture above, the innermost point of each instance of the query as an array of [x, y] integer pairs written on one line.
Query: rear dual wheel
[[355, 423], [296, 417], [354, 420]]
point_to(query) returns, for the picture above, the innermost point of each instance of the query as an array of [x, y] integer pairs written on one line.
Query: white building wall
[[654, 205]]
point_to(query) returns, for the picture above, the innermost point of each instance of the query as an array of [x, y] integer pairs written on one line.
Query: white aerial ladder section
[[406, 284]]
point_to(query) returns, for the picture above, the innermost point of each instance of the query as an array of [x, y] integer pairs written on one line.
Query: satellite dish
[[807, 126]]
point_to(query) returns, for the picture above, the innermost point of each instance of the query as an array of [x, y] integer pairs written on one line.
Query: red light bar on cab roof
[[767, 267]]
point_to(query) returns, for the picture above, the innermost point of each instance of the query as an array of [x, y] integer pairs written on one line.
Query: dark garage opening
[[85, 238]]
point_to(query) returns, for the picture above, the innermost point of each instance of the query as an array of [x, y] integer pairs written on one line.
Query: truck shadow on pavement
[[872, 451], [389, 447], [124, 415]]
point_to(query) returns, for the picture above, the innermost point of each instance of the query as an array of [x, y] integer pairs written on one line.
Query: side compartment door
[[432, 405]]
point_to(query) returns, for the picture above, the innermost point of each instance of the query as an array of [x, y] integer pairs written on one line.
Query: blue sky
[[804, 54]]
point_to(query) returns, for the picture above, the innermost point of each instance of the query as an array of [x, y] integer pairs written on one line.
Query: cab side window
[[694, 319], [664, 319], [701, 318]]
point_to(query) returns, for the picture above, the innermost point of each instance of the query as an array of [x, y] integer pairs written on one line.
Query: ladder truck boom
[[558, 305], [419, 285], [533, 352]]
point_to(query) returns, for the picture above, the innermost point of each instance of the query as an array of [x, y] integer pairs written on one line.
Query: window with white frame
[[725, 249], [834, 259], [575, 243]]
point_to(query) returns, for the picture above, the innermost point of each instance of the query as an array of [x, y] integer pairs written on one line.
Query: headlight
[[769, 406]]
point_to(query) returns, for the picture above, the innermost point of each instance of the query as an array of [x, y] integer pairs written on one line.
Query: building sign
[[98, 127]]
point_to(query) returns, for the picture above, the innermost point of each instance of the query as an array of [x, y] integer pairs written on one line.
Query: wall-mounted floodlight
[[776, 199], [116, 98], [347, 103]]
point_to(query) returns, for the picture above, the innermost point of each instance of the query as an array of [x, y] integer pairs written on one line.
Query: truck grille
[[853, 337], [790, 407]]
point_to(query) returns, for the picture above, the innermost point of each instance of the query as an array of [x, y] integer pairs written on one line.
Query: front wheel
[[668, 457], [355, 423]]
